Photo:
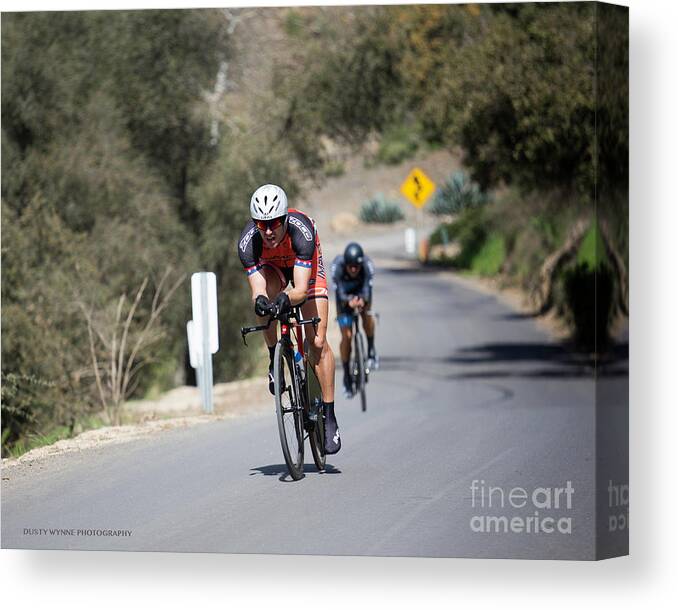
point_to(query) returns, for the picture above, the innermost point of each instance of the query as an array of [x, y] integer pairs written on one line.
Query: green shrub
[[482, 250], [25, 406], [294, 23], [397, 144], [442, 234], [591, 251], [333, 169], [470, 230], [380, 210], [489, 259], [456, 194]]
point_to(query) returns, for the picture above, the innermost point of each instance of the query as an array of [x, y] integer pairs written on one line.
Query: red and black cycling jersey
[[297, 247]]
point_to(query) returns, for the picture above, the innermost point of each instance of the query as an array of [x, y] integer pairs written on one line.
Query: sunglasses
[[264, 225]]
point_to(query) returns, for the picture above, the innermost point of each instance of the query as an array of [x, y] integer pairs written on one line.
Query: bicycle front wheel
[[289, 410], [360, 377]]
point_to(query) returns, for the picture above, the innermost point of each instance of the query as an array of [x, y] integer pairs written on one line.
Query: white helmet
[[268, 202]]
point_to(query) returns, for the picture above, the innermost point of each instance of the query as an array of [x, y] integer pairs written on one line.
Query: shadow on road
[[280, 470], [517, 315], [614, 362], [530, 360], [520, 352], [403, 271]]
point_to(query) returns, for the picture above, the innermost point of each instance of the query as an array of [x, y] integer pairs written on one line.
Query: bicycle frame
[[290, 327], [357, 316], [357, 313]]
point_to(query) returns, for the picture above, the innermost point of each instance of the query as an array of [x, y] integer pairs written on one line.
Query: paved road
[[468, 390]]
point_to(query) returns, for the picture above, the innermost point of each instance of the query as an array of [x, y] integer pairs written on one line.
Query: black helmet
[[353, 255]]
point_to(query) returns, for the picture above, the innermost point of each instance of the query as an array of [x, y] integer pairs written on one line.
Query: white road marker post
[[410, 241], [203, 333]]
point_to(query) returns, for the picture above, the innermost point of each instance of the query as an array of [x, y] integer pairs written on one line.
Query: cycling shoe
[[271, 382], [332, 437], [348, 386]]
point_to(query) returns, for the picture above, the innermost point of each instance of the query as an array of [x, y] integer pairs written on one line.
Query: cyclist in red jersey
[[277, 247]]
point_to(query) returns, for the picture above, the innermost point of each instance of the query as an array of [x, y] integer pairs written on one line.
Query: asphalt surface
[[468, 390]]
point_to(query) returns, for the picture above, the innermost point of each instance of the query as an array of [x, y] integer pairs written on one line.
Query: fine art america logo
[[618, 505], [537, 510]]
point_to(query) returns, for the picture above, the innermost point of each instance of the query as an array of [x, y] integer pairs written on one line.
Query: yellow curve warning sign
[[418, 187]]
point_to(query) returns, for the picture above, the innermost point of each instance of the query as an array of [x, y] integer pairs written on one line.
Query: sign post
[[417, 188], [195, 352], [203, 333]]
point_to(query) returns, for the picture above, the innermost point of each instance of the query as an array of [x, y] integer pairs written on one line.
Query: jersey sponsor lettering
[[300, 247], [308, 236], [244, 242], [321, 264]]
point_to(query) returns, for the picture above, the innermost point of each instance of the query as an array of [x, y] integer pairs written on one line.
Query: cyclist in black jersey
[[352, 276]]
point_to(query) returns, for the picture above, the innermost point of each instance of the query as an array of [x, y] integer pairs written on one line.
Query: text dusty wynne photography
[[540, 510], [61, 531]]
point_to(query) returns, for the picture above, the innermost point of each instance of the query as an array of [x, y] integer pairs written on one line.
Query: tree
[[94, 135], [165, 63], [118, 343]]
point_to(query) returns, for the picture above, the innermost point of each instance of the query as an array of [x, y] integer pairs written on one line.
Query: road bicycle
[[358, 365], [298, 398]]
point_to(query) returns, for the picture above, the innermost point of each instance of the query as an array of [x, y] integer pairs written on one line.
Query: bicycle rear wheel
[[316, 432], [289, 410], [316, 438], [359, 373]]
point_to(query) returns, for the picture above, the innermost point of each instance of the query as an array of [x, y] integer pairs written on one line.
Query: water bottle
[[298, 362]]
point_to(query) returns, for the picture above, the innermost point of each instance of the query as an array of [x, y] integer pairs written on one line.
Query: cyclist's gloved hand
[[282, 303], [262, 306]]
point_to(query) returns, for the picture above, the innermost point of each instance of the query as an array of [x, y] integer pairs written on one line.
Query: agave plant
[[380, 210], [457, 194]]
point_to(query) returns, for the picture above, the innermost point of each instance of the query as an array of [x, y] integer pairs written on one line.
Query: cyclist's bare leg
[[321, 355], [368, 321], [368, 325], [345, 345], [273, 287]]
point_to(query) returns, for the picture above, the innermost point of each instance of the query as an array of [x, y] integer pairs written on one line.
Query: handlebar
[[356, 311], [284, 318]]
